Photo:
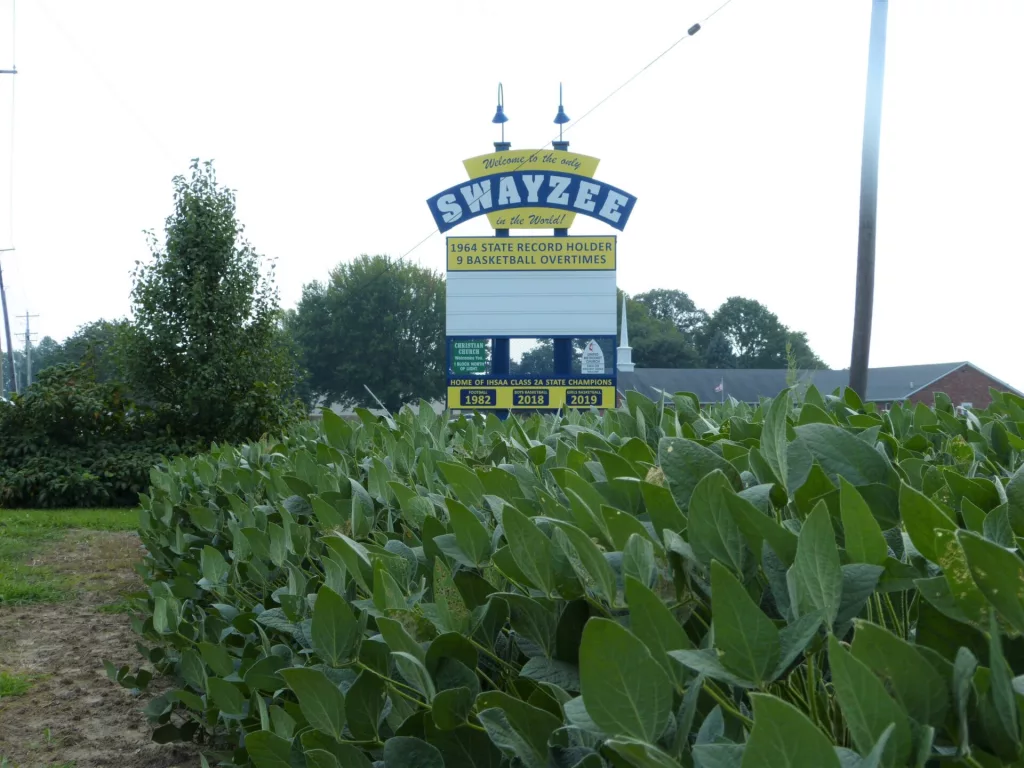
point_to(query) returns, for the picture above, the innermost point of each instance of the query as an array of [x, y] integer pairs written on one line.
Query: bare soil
[[74, 716]]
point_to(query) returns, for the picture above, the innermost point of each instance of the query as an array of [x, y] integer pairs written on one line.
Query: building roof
[[750, 384]]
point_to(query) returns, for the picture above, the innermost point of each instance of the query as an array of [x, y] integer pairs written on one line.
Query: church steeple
[[624, 354]]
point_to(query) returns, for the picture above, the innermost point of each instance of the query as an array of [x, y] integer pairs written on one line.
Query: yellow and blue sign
[[531, 189], [502, 254], [509, 393]]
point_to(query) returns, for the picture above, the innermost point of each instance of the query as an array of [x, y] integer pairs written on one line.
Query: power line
[[694, 29]]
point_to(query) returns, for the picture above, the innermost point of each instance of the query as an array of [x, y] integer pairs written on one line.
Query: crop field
[[807, 582], [66, 577]]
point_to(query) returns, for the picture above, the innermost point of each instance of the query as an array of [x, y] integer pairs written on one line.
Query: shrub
[[71, 441], [813, 585]]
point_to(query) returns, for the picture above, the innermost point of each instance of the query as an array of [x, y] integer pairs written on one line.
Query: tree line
[[210, 348]]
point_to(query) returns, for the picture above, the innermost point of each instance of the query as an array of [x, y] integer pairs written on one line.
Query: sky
[[335, 121]]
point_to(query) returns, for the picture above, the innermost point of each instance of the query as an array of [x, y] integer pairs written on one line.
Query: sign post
[[560, 287]]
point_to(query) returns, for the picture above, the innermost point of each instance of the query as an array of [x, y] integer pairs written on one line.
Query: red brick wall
[[964, 385]]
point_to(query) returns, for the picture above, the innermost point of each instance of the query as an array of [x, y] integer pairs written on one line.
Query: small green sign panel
[[469, 355]]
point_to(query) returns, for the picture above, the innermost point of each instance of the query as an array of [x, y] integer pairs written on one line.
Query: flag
[[721, 386]]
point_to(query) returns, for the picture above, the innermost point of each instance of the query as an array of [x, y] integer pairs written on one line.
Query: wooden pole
[[7, 331], [864, 302]]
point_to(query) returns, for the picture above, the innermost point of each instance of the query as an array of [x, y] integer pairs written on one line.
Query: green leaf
[[518, 729], [204, 518], [927, 525], [584, 556], [398, 639], [859, 583], [336, 631], [815, 576], [685, 463], [757, 527], [566, 676], [347, 755], [705, 662], [719, 755], [387, 594], [662, 508], [746, 640], [321, 758], [864, 540], [867, 706], [640, 754], [471, 535], [268, 750], [713, 532], [783, 737], [218, 658], [909, 674], [998, 573], [415, 673], [364, 705], [536, 619], [328, 517], [774, 441], [263, 675], [623, 688], [226, 696], [652, 621], [452, 613], [963, 674], [463, 747], [193, 670], [362, 514], [320, 700], [530, 549], [1004, 701], [974, 516], [214, 567], [450, 708], [842, 454], [638, 558], [794, 639], [1015, 497], [403, 751], [465, 482]]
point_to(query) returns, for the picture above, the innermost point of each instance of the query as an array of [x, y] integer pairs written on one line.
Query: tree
[[802, 354], [757, 338], [205, 342], [375, 323], [719, 352], [656, 342], [674, 307], [540, 358]]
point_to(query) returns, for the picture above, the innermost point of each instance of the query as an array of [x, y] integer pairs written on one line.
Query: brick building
[[963, 382]]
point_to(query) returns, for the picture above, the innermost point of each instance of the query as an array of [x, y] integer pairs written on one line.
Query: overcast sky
[[335, 121]]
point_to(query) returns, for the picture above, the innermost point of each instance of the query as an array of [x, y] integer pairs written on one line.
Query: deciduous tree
[[377, 323], [205, 342]]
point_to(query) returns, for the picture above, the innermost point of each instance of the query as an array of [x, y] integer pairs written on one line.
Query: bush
[[813, 585], [71, 441]]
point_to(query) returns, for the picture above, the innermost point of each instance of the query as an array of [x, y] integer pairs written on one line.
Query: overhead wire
[[690, 32], [14, 83]]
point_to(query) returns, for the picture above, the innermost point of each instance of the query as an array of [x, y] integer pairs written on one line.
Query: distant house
[[965, 383]]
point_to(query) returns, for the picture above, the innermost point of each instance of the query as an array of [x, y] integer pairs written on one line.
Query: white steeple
[[624, 354]]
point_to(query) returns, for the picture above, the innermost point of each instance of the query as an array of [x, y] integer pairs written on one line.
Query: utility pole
[[13, 380], [3, 296], [864, 302], [28, 350]]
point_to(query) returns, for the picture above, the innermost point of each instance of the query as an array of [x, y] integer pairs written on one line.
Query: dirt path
[[74, 716]]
